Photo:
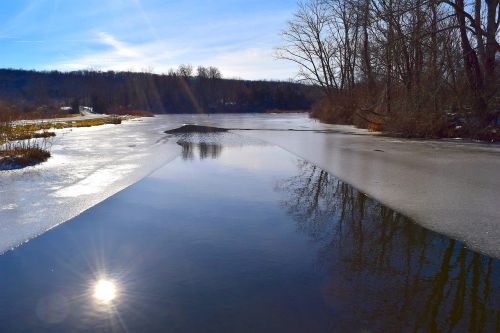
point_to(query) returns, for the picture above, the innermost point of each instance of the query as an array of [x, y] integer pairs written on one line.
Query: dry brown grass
[[40, 129], [286, 111], [41, 115], [121, 111], [20, 157], [11, 131], [75, 123], [26, 135]]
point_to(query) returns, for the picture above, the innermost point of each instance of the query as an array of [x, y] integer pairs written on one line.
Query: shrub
[[21, 157], [335, 110], [115, 121]]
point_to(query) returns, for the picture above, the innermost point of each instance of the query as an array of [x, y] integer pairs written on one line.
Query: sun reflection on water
[[105, 291]]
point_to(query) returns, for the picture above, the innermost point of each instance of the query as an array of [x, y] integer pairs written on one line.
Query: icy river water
[[232, 235]]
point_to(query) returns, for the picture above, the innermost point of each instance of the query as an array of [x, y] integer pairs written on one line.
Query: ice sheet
[[87, 166]]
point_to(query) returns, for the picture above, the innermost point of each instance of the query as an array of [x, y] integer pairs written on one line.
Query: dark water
[[234, 238]]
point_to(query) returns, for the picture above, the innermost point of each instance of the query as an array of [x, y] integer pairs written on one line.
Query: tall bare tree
[[400, 62]]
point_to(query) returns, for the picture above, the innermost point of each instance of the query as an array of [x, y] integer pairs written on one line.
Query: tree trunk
[[471, 64]]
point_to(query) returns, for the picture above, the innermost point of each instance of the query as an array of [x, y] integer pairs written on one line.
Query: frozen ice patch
[[9, 206], [97, 181]]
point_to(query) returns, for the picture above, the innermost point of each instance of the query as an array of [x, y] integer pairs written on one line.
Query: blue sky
[[238, 36]]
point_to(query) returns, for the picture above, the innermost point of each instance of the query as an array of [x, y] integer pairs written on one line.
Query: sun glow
[[105, 291]]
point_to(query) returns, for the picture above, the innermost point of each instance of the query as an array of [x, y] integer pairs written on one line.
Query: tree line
[[184, 90], [411, 67]]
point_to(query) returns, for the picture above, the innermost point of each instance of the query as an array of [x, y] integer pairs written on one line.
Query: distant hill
[[25, 91]]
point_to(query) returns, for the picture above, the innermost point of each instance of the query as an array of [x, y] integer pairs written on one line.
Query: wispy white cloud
[[235, 35], [235, 61], [120, 48], [28, 41], [119, 55], [252, 63]]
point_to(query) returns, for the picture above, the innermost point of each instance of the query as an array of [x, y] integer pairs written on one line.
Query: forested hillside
[[180, 91]]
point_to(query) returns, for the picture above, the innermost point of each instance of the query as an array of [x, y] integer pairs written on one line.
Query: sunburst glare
[[105, 291]]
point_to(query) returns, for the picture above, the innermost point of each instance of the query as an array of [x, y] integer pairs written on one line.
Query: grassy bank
[[10, 131]]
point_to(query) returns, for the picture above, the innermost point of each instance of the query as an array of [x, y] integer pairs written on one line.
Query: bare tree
[[310, 45], [400, 63], [479, 57], [214, 73], [322, 38], [202, 72], [185, 71]]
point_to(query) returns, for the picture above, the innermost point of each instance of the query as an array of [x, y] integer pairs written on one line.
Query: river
[[448, 187], [238, 235]]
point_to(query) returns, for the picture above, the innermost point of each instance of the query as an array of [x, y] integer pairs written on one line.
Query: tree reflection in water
[[384, 271], [201, 149]]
